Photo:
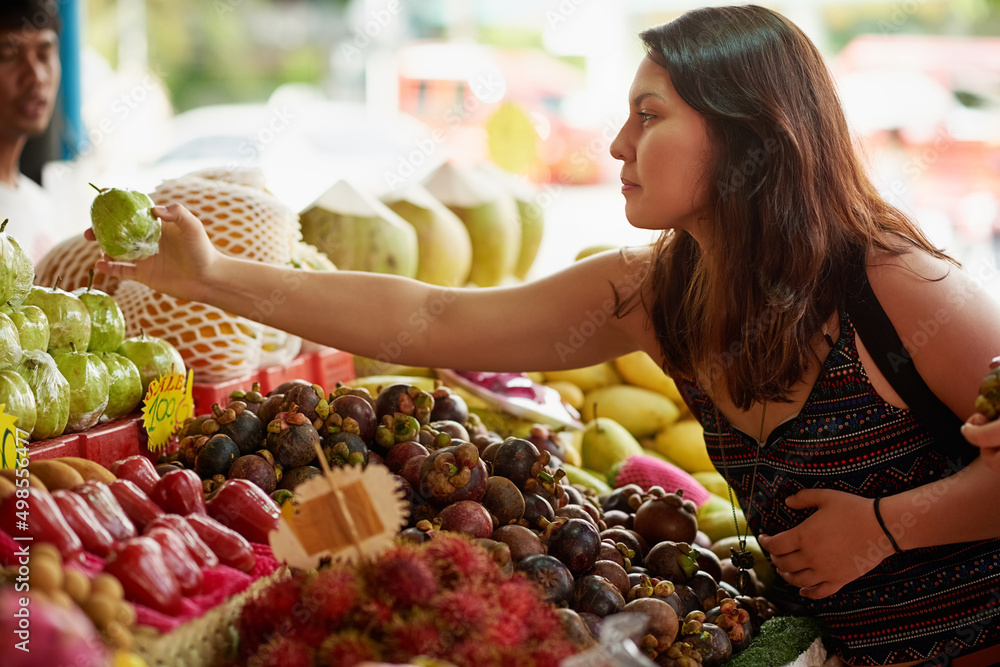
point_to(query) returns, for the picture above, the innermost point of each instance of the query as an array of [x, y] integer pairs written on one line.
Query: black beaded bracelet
[[878, 515]]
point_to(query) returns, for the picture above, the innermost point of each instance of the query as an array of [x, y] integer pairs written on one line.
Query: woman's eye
[[645, 116]]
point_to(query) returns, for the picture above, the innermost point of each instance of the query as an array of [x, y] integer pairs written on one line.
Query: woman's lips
[[628, 185]]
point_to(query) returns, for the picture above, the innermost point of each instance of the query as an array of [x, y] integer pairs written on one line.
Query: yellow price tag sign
[[167, 404], [13, 452]]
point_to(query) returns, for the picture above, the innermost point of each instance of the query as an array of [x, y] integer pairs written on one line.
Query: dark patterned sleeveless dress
[[915, 605]]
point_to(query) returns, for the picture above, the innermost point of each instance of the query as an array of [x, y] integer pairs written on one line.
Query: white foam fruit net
[[72, 260], [242, 221], [218, 346]]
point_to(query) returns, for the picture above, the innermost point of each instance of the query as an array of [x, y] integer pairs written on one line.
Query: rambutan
[[418, 635], [475, 652], [330, 596], [456, 559], [402, 576], [552, 651], [463, 610], [282, 652], [262, 612], [347, 648], [506, 632]]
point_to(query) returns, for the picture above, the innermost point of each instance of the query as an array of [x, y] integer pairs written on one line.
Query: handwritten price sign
[[168, 403], [11, 453]]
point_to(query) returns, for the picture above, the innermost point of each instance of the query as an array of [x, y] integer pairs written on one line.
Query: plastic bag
[[616, 648]]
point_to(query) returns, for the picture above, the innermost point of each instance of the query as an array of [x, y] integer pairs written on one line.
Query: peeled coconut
[[360, 233], [530, 212], [490, 216], [445, 249]]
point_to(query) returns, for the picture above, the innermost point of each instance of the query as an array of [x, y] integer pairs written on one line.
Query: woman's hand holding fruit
[[184, 265]]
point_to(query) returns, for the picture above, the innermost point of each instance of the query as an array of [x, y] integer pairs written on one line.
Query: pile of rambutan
[[445, 599]]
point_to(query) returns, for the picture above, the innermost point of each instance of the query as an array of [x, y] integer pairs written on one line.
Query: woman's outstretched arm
[[561, 321]]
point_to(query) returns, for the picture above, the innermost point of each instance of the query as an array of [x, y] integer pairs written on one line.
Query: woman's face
[[665, 151]]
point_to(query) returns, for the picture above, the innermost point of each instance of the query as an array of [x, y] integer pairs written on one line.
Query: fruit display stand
[[326, 368], [104, 444]]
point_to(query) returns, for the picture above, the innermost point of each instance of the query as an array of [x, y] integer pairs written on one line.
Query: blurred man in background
[[29, 83]]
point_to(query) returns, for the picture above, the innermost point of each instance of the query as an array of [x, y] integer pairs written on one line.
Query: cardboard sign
[[348, 514], [168, 403], [10, 443]]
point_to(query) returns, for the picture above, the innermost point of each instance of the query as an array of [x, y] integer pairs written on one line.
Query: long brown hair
[[792, 205]]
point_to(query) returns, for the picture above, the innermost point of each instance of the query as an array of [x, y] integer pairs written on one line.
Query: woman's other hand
[[985, 434], [182, 267]]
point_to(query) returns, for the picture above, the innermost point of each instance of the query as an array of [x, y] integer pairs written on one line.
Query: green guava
[[88, 387], [32, 326], [124, 225], [125, 387], [51, 392]]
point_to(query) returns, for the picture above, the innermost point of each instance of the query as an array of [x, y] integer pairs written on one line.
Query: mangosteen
[[613, 572], [467, 517], [689, 600], [216, 456], [432, 439], [573, 495], [292, 439], [241, 425], [503, 500], [610, 552], [545, 439], [536, 508], [711, 642], [295, 476], [630, 539], [614, 518], [575, 629], [518, 460], [252, 398], [192, 426], [375, 457], [551, 575], [593, 623], [402, 452], [188, 448], [499, 552], [345, 449], [702, 540], [734, 620], [270, 408], [406, 399], [285, 386], [255, 469], [411, 470], [675, 561], [414, 535], [576, 512], [451, 474], [393, 430], [164, 468], [662, 622], [704, 586], [670, 518], [449, 406], [618, 499], [597, 595], [452, 428], [708, 562], [353, 414], [404, 488], [281, 496], [309, 400], [522, 541], [577, 544]]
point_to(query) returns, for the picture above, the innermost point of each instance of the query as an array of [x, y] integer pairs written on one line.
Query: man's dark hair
[[30, 15]]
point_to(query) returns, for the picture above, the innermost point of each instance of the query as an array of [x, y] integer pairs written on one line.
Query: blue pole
[[73, 140]]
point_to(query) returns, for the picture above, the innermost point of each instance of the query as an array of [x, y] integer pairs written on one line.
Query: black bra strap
[[890, 355]]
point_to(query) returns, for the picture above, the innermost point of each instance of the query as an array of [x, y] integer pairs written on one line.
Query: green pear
[[16, 271], [32, 326], [125, 390], [605, 442], [154, 357], [124, 224], [51, 392], [69, 319], [107, 322], [18, 400], [10, 343], [88, 387]]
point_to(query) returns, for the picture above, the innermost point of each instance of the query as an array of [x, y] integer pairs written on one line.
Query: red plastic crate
[[324, 368], [115, 440], [104, 444]]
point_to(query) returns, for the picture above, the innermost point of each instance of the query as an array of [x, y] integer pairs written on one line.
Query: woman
[[737, 148]]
